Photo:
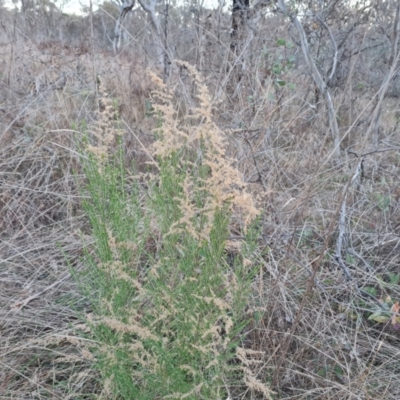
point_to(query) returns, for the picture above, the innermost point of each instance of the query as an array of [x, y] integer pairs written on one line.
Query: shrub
[[168, 303]]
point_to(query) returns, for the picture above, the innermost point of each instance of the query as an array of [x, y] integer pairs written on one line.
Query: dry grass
[[305, 343]]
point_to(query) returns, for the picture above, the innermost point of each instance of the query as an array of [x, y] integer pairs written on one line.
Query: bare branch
[[335, 57], [317, 79]]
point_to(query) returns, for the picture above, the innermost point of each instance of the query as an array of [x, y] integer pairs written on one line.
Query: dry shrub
[[167, 322]]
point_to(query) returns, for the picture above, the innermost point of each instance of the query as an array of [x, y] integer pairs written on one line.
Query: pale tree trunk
[[124, 7], [321, 85], [150, 8], [374, 126], [162, 53]]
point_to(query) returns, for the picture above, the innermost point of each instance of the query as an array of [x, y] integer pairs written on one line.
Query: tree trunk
[[239, 15]]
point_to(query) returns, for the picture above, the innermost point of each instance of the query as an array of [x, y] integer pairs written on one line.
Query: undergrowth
[[155, 226]]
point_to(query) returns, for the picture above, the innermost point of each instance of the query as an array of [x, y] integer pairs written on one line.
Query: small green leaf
[[148, 106], [338, 371], [258, 316], [281, 42], [276, 69], [371, 290], [394, 278], [378, 317], [383, 202], [350, 259]]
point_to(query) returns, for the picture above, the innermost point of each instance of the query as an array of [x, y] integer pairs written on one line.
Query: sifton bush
[[168, 307]]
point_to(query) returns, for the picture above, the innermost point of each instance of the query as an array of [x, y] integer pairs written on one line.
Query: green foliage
[[149, 108], [360, 86], [281, 42], [350, 259], [371, 290], [383, 202], [279, 63], [394, 279], [335, 370]]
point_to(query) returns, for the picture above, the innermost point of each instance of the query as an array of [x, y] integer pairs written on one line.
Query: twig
[[19, 305], [367, 266], [335, 57], [379, 151], [139, 141], [259, 173]]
